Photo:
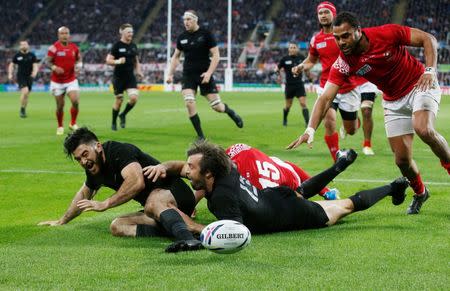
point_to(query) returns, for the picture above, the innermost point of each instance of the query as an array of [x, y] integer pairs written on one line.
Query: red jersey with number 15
[[65, 57], [324, 46], [386, 63]]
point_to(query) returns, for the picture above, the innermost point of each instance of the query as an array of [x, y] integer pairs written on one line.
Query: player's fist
[[169, 79], [57, 70], [297, 70], [50, 223], [206, 77], [122, 60]]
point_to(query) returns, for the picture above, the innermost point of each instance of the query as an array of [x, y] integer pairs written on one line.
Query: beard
[[198, 185]]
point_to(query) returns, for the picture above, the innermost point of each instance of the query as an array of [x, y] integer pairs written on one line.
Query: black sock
[[285, 114], [316, 183], [306, 115], [127, 109], [173, 223], [115, 113], [197, 126], [145, 230], [364, 199]]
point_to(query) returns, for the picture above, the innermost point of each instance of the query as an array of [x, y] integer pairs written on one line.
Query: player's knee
[[116, 227], [189, 98], [119, 98], [366, 104], [425, 133], [216, 104]]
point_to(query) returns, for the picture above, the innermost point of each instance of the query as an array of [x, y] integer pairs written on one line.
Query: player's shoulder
[[235, 149], [317, 36], [382, 29], [54, 47]]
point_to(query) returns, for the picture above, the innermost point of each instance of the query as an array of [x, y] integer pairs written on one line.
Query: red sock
[[59, 117], [446, 166], [73, 114], [417, 185], [333, 144], [367, 143]]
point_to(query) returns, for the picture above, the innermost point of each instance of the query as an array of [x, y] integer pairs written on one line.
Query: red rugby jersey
[[64, 56]]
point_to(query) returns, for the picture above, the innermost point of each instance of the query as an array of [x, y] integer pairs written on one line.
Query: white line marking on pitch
[[27, 171]]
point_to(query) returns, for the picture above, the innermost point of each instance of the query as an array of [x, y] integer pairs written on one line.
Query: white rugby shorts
[[350, 101], [58, 89]]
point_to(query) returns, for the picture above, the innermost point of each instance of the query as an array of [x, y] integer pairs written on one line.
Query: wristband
[[430, 70], [117, 62], [310, 132]]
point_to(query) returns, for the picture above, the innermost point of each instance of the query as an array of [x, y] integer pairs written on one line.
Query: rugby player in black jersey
[[119, 166], [294, 86], [124, 58], [197, 44], [231, 196], [27, 69]]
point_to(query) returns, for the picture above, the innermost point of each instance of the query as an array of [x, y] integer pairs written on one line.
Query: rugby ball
[[225, 236]]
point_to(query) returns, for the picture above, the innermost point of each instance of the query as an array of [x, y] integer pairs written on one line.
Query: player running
[[64, 59], [124, 57], [411, 92], [197, 44], [231, 196], [294, 86], [323, 47], [27, 69]]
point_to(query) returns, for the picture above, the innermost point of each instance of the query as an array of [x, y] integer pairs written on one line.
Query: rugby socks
[[305, 112], [305, 176], [332, 142], [174, 224], [197, 126], [365, 199], [127, 109], [145, 230], [59, 118], [417, 185], [446, 166], [317, 183], [115, 113], [73, 115], [367, 143], [285, 115]]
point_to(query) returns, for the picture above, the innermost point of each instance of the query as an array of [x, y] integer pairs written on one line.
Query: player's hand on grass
[[155, 172], [307, 136], [169, 79], [91, 205], [50, 223], [206, 77], [425, 82]]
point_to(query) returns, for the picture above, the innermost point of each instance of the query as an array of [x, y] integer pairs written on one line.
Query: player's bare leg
[[331, 136], [115, 110], [133, 95], [24, 92], [423, 123], [216, 104], [191, 106], [60, 113], [367, 125], [305, 111], [74, 97], [287, 107], [350, 126], [135, 224], [161, 205]]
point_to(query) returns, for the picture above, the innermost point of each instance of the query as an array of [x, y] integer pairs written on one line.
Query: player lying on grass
[[119, 166], [231, 196]]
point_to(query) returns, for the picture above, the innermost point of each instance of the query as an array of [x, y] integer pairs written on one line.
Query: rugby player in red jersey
[[411, 91], [64, 59], [323, 48]]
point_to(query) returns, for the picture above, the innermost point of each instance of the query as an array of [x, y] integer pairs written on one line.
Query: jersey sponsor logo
[[364, 70], [288, 62], [61, 54], [341, 66], [200, 39], [321, 45], [184, 41], [19, 58], [122, 50]]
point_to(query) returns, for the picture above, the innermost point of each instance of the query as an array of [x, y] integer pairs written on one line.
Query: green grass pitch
[[379, 249]]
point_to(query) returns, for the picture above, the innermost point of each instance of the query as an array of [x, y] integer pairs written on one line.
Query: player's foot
[[284, 122], [342, 132], [345, 158], [60, 131], [238, 120], [332, 194], [184, 246], [416, 204], [368, 151], [399, 186], [22, 113], [114, 126], [123, 120], [73, 126]]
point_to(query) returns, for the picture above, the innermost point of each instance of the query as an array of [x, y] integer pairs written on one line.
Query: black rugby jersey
[[287, 63], [129, 51], [24, 62]]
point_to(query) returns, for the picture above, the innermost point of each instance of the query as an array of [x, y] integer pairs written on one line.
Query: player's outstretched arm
[[429, 43], [306, 65], [174, 61], [192, 226], [172, 168], [133, 183], [73, 210], [318, 113]]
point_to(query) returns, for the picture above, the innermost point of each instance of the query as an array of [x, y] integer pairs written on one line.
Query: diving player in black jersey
[[294, 86], [28, 67], [197, 44], [119, 166], [124, 58], [231, 196]]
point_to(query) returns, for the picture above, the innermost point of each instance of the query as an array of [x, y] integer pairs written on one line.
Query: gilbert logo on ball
[[225, 236]]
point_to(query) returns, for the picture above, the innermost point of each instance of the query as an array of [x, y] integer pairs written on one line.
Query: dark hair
[[347, 17], [214, 159], [80, 136]]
